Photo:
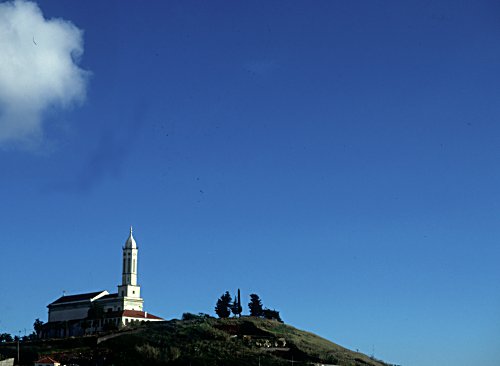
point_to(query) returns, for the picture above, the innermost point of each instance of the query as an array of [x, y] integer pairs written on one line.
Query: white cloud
[[38, 70]]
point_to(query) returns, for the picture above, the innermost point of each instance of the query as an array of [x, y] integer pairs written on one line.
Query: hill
[[198, 341]]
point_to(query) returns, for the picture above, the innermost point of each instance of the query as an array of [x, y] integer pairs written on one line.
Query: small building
[[130, 316], [47, 361]]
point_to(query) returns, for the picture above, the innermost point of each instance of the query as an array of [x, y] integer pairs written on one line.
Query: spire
[[130, 243]]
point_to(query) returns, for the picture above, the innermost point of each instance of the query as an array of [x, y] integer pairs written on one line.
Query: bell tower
[[129, 290]]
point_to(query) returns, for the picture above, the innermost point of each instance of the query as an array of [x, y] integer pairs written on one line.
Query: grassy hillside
[[200, 341]]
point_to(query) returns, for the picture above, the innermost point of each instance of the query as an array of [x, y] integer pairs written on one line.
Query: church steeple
[[130, 243], [129, 287], [129, 272]]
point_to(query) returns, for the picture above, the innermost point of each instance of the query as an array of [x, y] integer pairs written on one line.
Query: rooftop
[[139, 314], [78, 297]]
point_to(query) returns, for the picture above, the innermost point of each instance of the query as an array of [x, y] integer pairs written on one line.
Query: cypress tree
[[223, 306], [236, 307], [255, 305]]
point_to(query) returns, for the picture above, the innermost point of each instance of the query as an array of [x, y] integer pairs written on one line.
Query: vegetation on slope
[[245, 341]]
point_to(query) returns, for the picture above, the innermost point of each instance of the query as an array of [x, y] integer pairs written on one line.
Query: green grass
[[199, 342]]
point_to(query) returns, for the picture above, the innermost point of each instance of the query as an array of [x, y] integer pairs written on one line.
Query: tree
[[38, 326], [109, 327], [255, 305], [272, 315], [198, 317], [96, 311], [5, 337], [222, 308], [236, 306], [85, 324], [95, 315]]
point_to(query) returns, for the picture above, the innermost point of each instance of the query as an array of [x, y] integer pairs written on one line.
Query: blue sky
[[339, 158]]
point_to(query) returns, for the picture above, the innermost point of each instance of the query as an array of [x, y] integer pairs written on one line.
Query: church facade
[[93, 312]]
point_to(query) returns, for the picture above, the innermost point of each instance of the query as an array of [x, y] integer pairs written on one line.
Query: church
[[88, 313]]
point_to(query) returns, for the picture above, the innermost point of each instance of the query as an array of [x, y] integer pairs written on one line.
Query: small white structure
[[7, 362], [47, 361], [100, 310]]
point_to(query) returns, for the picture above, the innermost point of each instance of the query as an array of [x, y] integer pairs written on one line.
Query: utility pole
[[18, 338]]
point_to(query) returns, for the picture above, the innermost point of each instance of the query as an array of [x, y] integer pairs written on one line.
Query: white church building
[[92, 312]]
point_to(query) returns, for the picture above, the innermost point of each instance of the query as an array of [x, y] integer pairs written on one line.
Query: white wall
[[68, 313]]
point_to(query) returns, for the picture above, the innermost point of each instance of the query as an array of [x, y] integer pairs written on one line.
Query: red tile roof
[[139, 314], [46, 360]]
